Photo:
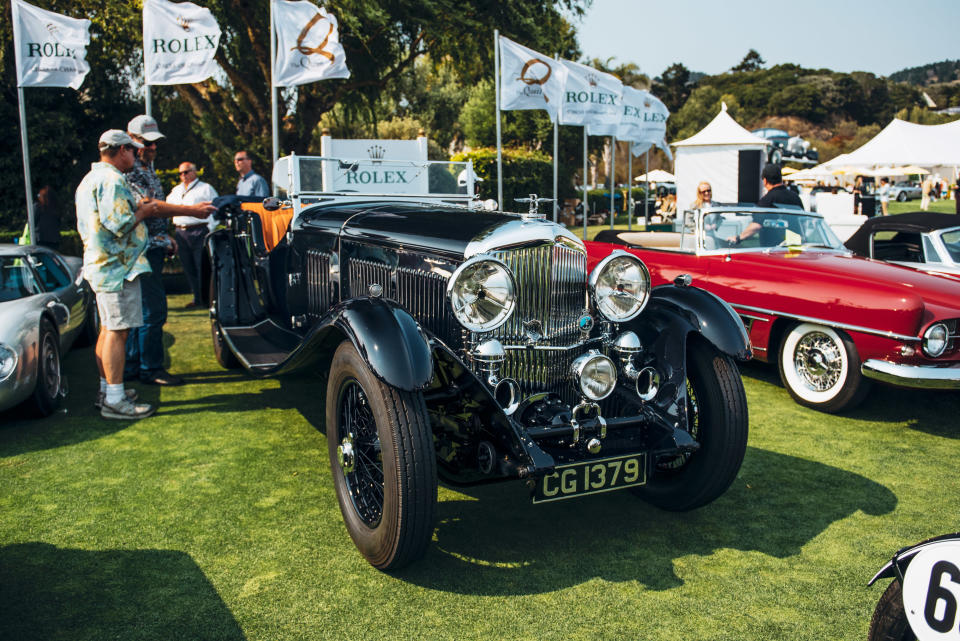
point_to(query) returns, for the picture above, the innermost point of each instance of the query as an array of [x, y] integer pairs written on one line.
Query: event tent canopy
[[713, 155], [906, 143], [656, 176]]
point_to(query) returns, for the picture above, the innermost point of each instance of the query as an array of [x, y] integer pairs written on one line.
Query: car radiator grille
[[551, 289]]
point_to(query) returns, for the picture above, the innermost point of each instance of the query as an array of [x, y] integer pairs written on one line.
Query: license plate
[[591, 477]]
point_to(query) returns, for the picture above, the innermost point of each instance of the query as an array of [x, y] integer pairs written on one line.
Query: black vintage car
[[473, 346]]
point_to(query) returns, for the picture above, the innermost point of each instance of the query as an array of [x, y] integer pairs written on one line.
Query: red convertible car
[[832, 321]]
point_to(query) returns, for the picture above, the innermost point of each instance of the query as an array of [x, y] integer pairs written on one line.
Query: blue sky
[[880, 36]]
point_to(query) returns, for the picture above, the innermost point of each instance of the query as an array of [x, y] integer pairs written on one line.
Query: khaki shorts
[[123, 309]]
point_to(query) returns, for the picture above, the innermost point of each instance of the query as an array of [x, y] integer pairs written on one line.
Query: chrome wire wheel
[[359, 454], [819, 361]]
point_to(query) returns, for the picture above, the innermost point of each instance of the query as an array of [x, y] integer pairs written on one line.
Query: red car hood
[[820, 284]]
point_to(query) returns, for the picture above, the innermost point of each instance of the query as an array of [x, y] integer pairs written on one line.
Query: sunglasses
[[189, 171], [240, 159], [706, 191], [148, 143]]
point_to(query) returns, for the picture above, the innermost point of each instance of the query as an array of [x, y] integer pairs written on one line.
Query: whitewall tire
[[820, 368]]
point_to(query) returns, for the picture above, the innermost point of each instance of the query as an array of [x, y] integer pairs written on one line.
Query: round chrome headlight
[[620, 286], [935, 340], [8, 361], [482, 293], [594, 375]]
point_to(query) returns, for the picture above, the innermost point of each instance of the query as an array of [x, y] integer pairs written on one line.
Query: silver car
[[904, 191], [45, 306]]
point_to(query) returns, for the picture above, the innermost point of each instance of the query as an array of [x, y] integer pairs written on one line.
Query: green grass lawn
[[216, 519], [940, 206]]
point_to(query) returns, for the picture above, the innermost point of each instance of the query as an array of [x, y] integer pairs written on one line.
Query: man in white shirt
[[190, 231]]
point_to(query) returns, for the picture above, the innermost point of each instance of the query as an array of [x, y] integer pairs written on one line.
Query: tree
[[673, 86], [751, 62]]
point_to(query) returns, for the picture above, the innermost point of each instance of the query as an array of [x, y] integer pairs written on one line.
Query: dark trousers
[[190, 250], [145, 343]]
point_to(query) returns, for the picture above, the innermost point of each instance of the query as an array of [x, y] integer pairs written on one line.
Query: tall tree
[[751, 62]]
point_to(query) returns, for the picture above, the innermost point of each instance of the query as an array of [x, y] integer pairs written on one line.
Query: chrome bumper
[[920, 376]]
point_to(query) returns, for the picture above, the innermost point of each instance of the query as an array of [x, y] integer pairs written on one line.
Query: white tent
[[713, 155], [656, 176], [907, 143]]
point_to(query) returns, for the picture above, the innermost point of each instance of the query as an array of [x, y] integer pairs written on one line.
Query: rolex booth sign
[[371, 175]]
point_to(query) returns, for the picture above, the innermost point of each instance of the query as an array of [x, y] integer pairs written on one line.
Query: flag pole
[[496, 82], [148, 103], [31, 223], [585, 203], [556, 154], [273, 97], [630, 185], [646, 188], [613, 178]]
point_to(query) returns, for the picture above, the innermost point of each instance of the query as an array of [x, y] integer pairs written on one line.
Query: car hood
[[451, 231]]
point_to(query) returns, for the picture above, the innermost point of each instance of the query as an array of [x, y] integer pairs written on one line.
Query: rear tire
[[889, 622], [820, 368], [91, 325], [382, 461], [46, 395], [902, 197], [221, 350], [717, 420]]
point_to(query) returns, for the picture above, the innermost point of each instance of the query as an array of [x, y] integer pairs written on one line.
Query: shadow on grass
[[928, 411], [500, 544], [58, 593]]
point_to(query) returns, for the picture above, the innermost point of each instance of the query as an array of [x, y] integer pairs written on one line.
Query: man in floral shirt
[[108, 219], [145, 344]]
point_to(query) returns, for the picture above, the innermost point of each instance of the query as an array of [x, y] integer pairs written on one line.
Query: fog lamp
[[594, 375]]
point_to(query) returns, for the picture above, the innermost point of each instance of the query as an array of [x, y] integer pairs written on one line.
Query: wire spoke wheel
[[819, 361], [359, 452], [382, 461], [820, 368]]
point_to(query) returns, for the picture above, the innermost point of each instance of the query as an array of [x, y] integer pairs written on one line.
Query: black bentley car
[[471, 346]]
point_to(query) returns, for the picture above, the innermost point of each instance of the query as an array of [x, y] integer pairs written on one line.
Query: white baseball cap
[[145, 127], [116, 138]]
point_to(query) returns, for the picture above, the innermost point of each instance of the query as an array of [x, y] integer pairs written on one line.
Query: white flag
[[644, 117], [180, 40], [51, 49], [308, 44], [529, 80], [591, 98]]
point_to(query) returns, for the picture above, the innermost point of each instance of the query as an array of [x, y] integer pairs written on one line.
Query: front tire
[[717, 420], [889, 622], [821, 368], [382, 461], [46, 395]]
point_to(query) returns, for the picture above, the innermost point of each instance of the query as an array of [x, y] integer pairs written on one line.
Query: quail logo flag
[[591, 98], [644, 117], [180, 40], [529, 80], [308, 44], [51, 49]]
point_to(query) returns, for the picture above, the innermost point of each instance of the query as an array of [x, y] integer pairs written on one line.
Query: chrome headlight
[[482, 293], [620, 286], [595, 375], [8, 361], [935, 340]]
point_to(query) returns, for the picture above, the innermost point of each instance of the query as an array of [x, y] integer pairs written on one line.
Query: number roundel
[[931, 592]]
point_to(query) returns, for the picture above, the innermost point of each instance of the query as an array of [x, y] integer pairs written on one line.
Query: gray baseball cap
[[117, 138], [146, 127]]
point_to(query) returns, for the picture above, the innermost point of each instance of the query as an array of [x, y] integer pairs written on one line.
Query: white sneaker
[[102, 396], [126, 410]]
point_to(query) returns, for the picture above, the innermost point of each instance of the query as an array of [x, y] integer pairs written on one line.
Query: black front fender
[[387, 337], [707, 314]]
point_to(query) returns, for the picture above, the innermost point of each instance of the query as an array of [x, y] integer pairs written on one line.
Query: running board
[[261, 346]]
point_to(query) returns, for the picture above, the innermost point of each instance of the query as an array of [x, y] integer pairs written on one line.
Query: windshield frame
[[698, 227]]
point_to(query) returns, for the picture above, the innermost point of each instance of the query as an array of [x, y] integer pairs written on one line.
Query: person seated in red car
[[777, 195]]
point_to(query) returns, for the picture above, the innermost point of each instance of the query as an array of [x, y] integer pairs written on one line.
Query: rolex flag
[[529, 80], [308, 44], [644, 117], [180, 40], [50, 49], [591, 98]]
